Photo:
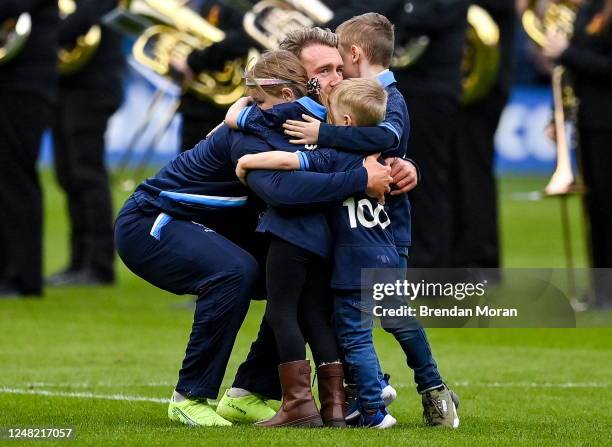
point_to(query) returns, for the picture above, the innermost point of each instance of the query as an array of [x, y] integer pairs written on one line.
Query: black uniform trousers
[[433, 120], [23, 118], [79, 128], [474, 200], [596, 159]]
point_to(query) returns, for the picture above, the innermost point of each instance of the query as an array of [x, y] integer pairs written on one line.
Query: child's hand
[[306, 131], [241, 171], [231, 117]]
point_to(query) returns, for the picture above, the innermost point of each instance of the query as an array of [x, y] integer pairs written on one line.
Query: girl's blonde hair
[[279, 65]]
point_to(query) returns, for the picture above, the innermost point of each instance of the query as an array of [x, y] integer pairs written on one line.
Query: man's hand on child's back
[[404, 173], [306, 132], [379, 178]]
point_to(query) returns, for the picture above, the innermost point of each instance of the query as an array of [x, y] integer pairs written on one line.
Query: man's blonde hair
[[373, 33], [364, 99], [297, 40]]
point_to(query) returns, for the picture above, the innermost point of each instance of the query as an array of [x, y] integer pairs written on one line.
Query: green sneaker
[[197, 413], [440, 407], [244, 410]]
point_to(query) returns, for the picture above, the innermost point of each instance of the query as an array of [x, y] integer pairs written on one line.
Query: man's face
[[324, 63]]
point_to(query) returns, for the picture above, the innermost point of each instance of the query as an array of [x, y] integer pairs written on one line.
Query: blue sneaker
[[381, 419], [388, 394], [351, 407]]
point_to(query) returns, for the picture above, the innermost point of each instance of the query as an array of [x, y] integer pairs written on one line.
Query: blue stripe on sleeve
[[242, 116], [304, 164], [392, 128]]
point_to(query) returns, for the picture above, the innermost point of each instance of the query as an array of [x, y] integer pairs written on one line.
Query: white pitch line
[[127, 398], [121, 397], [96, 384], [466, 383]]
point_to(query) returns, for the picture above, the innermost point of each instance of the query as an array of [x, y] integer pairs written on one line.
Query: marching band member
[[199, 116], [87, 99], [27, 92], [588, 57], [475, 223]]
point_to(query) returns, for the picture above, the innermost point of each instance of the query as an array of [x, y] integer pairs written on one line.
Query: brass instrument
[[538, 20], [480, 59], [13, 35], [71, 60], [481, 55], [167, 30], [271, 20], [408, 54]]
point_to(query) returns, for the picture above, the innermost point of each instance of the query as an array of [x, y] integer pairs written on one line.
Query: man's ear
[[287, 94], [348, 121]]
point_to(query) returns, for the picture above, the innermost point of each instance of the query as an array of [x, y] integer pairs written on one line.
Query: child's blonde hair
[[363, 99], [280, 65], [373, 33]]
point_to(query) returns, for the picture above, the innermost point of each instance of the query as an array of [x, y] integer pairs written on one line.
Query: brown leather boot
[[298, 408], [331, 394]]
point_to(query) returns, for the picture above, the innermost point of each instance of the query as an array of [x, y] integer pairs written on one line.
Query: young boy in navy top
[[362, 238]]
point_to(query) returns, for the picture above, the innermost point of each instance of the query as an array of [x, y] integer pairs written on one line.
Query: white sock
[[178, 397], [238, 392]]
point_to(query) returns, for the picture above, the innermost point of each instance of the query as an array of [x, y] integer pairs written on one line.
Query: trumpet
[[167, 30], [13, 35], [538, 20]]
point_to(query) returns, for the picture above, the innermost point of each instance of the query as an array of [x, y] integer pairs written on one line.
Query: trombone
[[538, 21]]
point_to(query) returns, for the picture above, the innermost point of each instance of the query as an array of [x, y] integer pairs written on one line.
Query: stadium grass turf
[[517, 386]]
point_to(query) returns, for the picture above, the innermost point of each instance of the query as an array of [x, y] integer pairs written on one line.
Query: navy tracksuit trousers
[[184, 257]]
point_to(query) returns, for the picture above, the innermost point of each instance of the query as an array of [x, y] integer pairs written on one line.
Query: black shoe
[[78, 278], [61, 278], [9, 291]]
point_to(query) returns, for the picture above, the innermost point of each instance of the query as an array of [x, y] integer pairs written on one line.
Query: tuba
[[71, 60], [166, 30], [13, 35], [480, 59], [271, 20], [480, 64], [539, 19]]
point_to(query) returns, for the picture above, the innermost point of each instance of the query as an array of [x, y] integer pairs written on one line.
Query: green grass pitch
[[102, 360]]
